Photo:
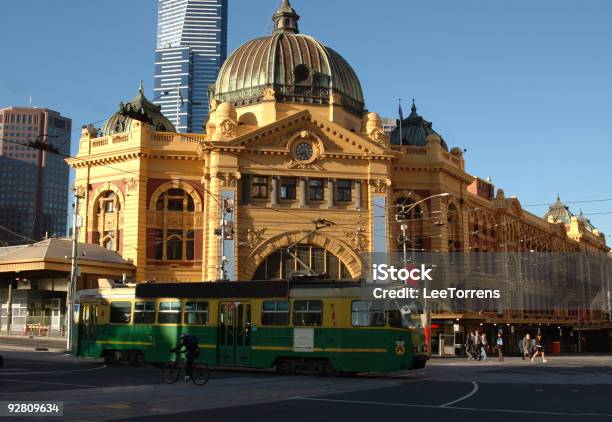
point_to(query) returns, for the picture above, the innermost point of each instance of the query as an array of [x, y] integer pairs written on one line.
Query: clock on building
[[304, 151]]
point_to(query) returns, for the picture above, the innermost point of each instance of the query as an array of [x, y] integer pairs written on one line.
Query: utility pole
[[73, 272], [9, 309]]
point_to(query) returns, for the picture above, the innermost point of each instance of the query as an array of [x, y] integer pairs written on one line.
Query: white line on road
[[50, 383], [427, 406], [470, 394], [55, 372]]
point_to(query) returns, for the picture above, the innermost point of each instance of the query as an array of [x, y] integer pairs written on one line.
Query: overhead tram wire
[[17, 234]]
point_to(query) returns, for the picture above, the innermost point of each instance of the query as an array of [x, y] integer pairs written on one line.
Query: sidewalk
[[51, 344]]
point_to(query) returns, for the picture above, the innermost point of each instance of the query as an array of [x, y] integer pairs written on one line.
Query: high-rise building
[[191, 46], [33, 183]]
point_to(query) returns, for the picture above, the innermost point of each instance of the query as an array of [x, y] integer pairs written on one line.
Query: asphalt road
[[566, 388]]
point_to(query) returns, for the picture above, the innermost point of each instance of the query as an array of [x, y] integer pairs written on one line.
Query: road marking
[[427, 406], [51, 383], [470, 394], [55, 372]]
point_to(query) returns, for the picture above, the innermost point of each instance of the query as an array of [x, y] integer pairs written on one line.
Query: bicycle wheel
[[171, 372], [201, 374]]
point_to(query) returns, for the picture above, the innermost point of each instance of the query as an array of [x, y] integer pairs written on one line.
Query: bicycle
[[171, 372]]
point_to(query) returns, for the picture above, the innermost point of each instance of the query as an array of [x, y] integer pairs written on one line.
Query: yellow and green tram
[[323, 326]]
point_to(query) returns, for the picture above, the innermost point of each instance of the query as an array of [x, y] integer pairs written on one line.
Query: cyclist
[[192, 350]]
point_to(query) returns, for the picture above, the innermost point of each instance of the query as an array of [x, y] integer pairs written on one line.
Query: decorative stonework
[[228, 128], [131, 184], [213, 105], [295, 164], [254, 237], [269, 94], [81, 190], [227, 180], [358, 238], [374, 129], [380, 185]]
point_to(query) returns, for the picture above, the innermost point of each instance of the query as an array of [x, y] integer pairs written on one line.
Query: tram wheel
[[326, 369], [285, 367], [111, 357]]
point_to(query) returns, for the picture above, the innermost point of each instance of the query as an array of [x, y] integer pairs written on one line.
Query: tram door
[[87, 329], [234, 333]]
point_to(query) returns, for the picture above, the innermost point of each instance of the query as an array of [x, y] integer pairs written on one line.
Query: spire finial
[[413, 108], [285, 19], [140, 87], [558, 197]]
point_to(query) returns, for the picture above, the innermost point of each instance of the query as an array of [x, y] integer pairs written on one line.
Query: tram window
[[406, 320], [362, 314], [144, 313], [169, 313], [196, 313], [120, 312], [275, 312], [307, 312]]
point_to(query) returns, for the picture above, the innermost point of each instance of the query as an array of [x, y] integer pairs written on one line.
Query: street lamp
[[404, 227], [402, 221]]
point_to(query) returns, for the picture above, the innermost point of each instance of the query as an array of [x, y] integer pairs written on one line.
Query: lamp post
[[404, 227]]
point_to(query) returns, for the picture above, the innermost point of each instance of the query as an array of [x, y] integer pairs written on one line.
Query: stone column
[[358, 195], [274, 192], [303, 192], [330, 193]]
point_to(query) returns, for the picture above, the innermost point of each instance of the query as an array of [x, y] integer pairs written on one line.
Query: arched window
[[108, 243], [175, 200], [174, 236], [107, 220], [279, 264]]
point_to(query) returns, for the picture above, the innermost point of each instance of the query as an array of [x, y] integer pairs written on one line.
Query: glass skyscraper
[[191, 47]]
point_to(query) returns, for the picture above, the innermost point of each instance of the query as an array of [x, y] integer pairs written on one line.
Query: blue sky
[[524, 86]]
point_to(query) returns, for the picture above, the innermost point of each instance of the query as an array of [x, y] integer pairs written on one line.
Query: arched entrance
[[320, 251], [280, 263]]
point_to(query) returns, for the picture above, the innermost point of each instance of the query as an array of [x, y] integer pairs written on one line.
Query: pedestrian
[[526, 346], [485, 345], [539, 348], [499, 343], [477, 345], [469, 345]]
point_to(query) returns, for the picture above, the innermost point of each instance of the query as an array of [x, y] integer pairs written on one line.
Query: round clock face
[[304, 151]]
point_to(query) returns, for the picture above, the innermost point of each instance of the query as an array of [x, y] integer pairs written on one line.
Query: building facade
[[191, 47], [293, 160], [34, 184]]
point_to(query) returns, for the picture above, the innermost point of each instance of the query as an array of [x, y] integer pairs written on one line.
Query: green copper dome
[[139, 109], [297, 67]]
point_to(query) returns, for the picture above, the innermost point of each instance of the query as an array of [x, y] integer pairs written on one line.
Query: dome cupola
[[140, 109], [559, 213], [285, 19], [414, 131], [288, 67]]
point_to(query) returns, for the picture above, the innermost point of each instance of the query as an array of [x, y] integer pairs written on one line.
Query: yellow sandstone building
[[289, 143]]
